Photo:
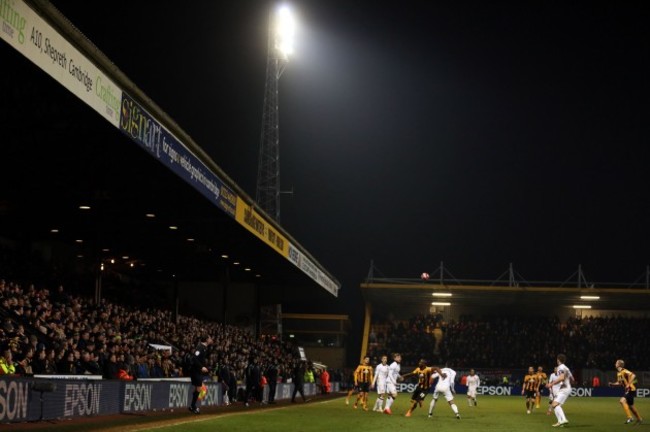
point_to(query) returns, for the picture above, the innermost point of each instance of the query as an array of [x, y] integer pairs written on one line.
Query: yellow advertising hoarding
[[255, 223]]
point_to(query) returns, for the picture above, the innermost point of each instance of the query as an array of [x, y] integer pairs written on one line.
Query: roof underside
[[404, 300], [58, 154]]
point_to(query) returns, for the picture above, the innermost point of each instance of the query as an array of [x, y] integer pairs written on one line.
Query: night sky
[[474, 133]]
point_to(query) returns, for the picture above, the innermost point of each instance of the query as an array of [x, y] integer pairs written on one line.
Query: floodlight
[[440, 304], [285, 28], [589, 297], [442, 294], [581, 307]]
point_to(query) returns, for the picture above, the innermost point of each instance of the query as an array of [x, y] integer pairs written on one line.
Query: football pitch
[[493, 413]]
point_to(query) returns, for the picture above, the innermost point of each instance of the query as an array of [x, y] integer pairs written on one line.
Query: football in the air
[[424, 276]]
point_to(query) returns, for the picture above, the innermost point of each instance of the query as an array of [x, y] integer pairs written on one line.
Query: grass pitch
[[493, 413]]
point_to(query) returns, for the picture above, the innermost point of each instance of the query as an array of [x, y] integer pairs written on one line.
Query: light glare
[[285, 28]]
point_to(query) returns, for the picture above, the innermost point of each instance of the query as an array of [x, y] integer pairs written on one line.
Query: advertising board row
[[500, 390], [32, 36], [20, 398]]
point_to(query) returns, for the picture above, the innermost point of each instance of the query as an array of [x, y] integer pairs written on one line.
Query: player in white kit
[[445, 387], [380, 381], [552, 391], [391, 383], [473, 381], [562, 394]]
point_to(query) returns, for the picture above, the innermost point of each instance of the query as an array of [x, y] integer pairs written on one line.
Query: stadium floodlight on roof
[[581, 307], [589, 297], [442, 294], [440, 304]]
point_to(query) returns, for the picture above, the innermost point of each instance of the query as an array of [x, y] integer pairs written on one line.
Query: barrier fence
[[503, 390], [33, 399]]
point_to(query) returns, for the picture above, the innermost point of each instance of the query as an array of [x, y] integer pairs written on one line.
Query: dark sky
[[478, 133]]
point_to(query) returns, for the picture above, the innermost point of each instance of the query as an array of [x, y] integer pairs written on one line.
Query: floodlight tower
[[280, 47]]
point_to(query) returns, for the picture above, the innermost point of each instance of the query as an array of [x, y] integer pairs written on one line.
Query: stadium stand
[[55, 332], [513, 341]]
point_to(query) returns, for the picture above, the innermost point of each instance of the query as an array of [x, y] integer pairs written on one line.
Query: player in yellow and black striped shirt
[[542, 379], [362, 380], [627, 380], [529, 388], [424, 383]]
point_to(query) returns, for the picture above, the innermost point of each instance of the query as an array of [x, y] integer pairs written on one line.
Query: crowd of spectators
[[44, 332], [515, 341]]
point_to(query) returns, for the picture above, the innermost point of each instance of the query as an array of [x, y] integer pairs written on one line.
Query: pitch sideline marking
[[210, 417]]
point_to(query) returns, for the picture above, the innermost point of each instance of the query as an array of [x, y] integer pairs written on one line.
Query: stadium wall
[[21, 399]]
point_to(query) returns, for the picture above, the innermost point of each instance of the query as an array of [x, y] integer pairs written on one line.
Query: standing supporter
[[272, 378], [7, 366], [66, 365], [253, 378], [326, 387], [111, 368]]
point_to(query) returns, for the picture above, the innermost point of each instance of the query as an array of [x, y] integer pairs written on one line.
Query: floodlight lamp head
[[285, 28]]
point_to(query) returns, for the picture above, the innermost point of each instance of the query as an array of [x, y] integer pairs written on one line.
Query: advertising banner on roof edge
[[255, 223], [160, 143], [30, 35], [311, 270]]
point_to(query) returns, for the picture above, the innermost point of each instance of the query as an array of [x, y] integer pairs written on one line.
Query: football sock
[[626, 407], [454, 408], [559, 413], [389, 402], [195, 397]]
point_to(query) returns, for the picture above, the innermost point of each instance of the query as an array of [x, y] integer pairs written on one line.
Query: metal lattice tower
[[268, 171]]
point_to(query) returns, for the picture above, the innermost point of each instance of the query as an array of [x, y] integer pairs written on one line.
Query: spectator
[[89, 365], [7, 366], [142, 368], [326, 387], [309, 373], [272, 379], [595, 382], [111, 368], [66, 365], [253, 379]]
